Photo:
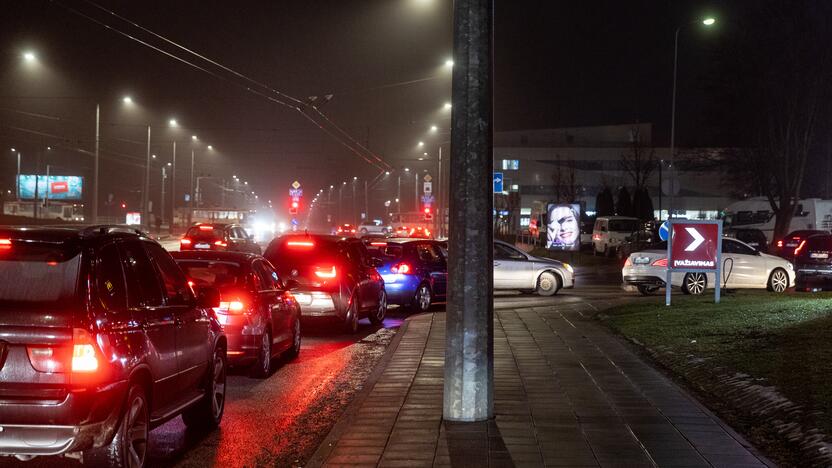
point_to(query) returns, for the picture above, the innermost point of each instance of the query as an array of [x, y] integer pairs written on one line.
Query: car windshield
[[39, 275], [222, 275], [623, 225]]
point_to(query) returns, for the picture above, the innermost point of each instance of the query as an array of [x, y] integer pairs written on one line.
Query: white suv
[[376, 227], [610, 232]]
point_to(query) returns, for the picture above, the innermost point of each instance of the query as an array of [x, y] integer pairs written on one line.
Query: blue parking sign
[[498, 182]]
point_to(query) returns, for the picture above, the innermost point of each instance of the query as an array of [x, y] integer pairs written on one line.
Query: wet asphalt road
[[281, 420]]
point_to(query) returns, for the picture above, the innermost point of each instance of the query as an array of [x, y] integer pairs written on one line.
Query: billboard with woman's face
[[563, 227]]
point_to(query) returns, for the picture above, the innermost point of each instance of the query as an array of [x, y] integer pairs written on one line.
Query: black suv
[[101, 339], [217, 236]]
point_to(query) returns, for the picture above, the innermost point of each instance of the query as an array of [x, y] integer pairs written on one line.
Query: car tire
[[422, 299], [129, 445], [207, 413], [351, 320], [294, 351], [377, 317], [647, 290], [694, 284], [548, 284], [262, 368], [778, 281]]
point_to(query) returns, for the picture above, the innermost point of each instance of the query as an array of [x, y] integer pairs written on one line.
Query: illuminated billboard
[[563, 227], [59, 187]]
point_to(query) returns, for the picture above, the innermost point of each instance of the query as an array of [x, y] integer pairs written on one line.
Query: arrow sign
[[498, 182], [697, 239]]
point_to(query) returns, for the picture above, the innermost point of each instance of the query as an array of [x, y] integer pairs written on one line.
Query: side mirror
[[207, 297], [291, 284]]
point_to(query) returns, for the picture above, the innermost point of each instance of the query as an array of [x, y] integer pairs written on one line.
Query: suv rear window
[[221, 275], [202, 232], [39, 274], [302, 251]]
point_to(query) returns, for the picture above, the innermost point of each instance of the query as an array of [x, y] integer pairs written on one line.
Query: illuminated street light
[[407, 169], [14, 150], [169, 164], [355, 178], [153, 156], [194, 138], [421, 144], [29, 56], [708, 21], [210, 147], [426, 153], [447, 106], [449, 63], [433, 128], [173, 123], [386, 172], [127, 100]]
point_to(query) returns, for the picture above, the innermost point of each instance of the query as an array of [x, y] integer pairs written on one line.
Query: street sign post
[[498, 182], [694, 247]]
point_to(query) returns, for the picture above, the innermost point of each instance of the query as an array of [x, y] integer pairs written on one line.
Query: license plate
[[202, 246], [641, 260], [819, 255], [791, 245], [303, 299]]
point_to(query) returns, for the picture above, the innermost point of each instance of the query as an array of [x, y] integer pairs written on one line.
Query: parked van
[[610, 231]]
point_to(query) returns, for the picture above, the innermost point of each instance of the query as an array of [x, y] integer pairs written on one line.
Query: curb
[[328, 444]]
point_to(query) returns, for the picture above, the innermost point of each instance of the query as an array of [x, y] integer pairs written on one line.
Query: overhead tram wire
[[383, 166]]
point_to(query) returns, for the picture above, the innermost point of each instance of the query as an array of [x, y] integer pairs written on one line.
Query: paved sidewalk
[[567, 393]]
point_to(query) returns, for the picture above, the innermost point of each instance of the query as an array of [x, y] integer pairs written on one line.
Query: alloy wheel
[[696, 283], [382, 307], [296, 336], [137, 429], [218, 387], [266, 349], [423, 298], [779, 281]]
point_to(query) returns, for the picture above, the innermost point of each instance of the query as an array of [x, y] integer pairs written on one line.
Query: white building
[[531, 161]]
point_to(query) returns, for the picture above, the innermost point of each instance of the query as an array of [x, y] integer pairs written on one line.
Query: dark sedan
[[415, 272], [260, 317], [219, 237]]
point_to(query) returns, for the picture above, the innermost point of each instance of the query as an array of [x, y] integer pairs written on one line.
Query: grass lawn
[[785, 340]]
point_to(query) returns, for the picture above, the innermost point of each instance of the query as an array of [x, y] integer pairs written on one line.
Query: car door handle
[[496, 263]]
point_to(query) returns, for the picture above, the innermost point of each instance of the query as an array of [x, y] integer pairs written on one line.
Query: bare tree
[[638, 162], [564, 183]]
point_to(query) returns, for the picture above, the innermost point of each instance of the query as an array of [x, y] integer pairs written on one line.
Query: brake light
[[662, 262], [780, 244], [628, 262], [300, 244], [378, 244], [799, 248], [325, 272], [185, 241], [80, 357], [49, 359], [5, 244], [232, 307], [206, 228], [400, 269], [220, 243], [352, 230], [596, 237]]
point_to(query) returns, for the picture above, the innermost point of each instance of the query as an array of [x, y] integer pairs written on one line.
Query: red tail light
[[232, 307], [206, 228], [400, 269], [662, 262], [185, 241], [220, 243], [326, 272], [378, 244], [80, 357], [780, 244], [300, 244], [799, 248], [5, 244]]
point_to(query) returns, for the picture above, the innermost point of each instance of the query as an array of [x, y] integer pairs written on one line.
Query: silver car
[[743, 268], [517, 270]]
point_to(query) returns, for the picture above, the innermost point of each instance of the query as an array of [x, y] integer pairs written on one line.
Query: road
[[281, 420]]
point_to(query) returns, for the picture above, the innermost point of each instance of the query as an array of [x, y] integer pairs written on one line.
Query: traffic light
[[428, 214], [293, 209]]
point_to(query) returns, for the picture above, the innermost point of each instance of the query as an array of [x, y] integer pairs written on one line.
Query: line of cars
[[802, 261]]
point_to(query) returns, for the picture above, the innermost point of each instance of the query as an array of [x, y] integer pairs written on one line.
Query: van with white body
[[610, 231], [756, 213]]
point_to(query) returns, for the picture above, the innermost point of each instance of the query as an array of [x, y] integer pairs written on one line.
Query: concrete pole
[[366, 203], [469, 337], [95, 165], [172, 190], [162, 204], [438, 196], [17, 180], [415, 191], [146, 193]]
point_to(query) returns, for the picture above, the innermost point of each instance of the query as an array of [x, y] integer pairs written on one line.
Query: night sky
[[557, 63]]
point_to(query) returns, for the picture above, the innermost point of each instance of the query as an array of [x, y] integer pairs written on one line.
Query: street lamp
[[449, 63], [421, 144], [173, 123], [447, 106], [127, 100], [29, 56], [673, 178], [433, 128]]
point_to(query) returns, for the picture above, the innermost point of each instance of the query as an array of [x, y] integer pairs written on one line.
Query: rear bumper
[[81, 421], [644, 280], [318, 304], [242, 349], [401, 289], [807, 278]]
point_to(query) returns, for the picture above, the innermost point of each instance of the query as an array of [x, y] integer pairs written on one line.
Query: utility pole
[[146, 193], [399, 197], [172, 190], [354, 204], [415, 191], [162, 204], [366, 202], [469, 332], [95, 164]]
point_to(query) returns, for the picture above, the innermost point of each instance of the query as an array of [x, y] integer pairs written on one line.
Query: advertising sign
[[563, 227], [695, 247], [58, 187], [133, 218]]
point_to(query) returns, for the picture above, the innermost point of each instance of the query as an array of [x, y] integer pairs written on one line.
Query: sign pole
[[718, 284], [668, 272]]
